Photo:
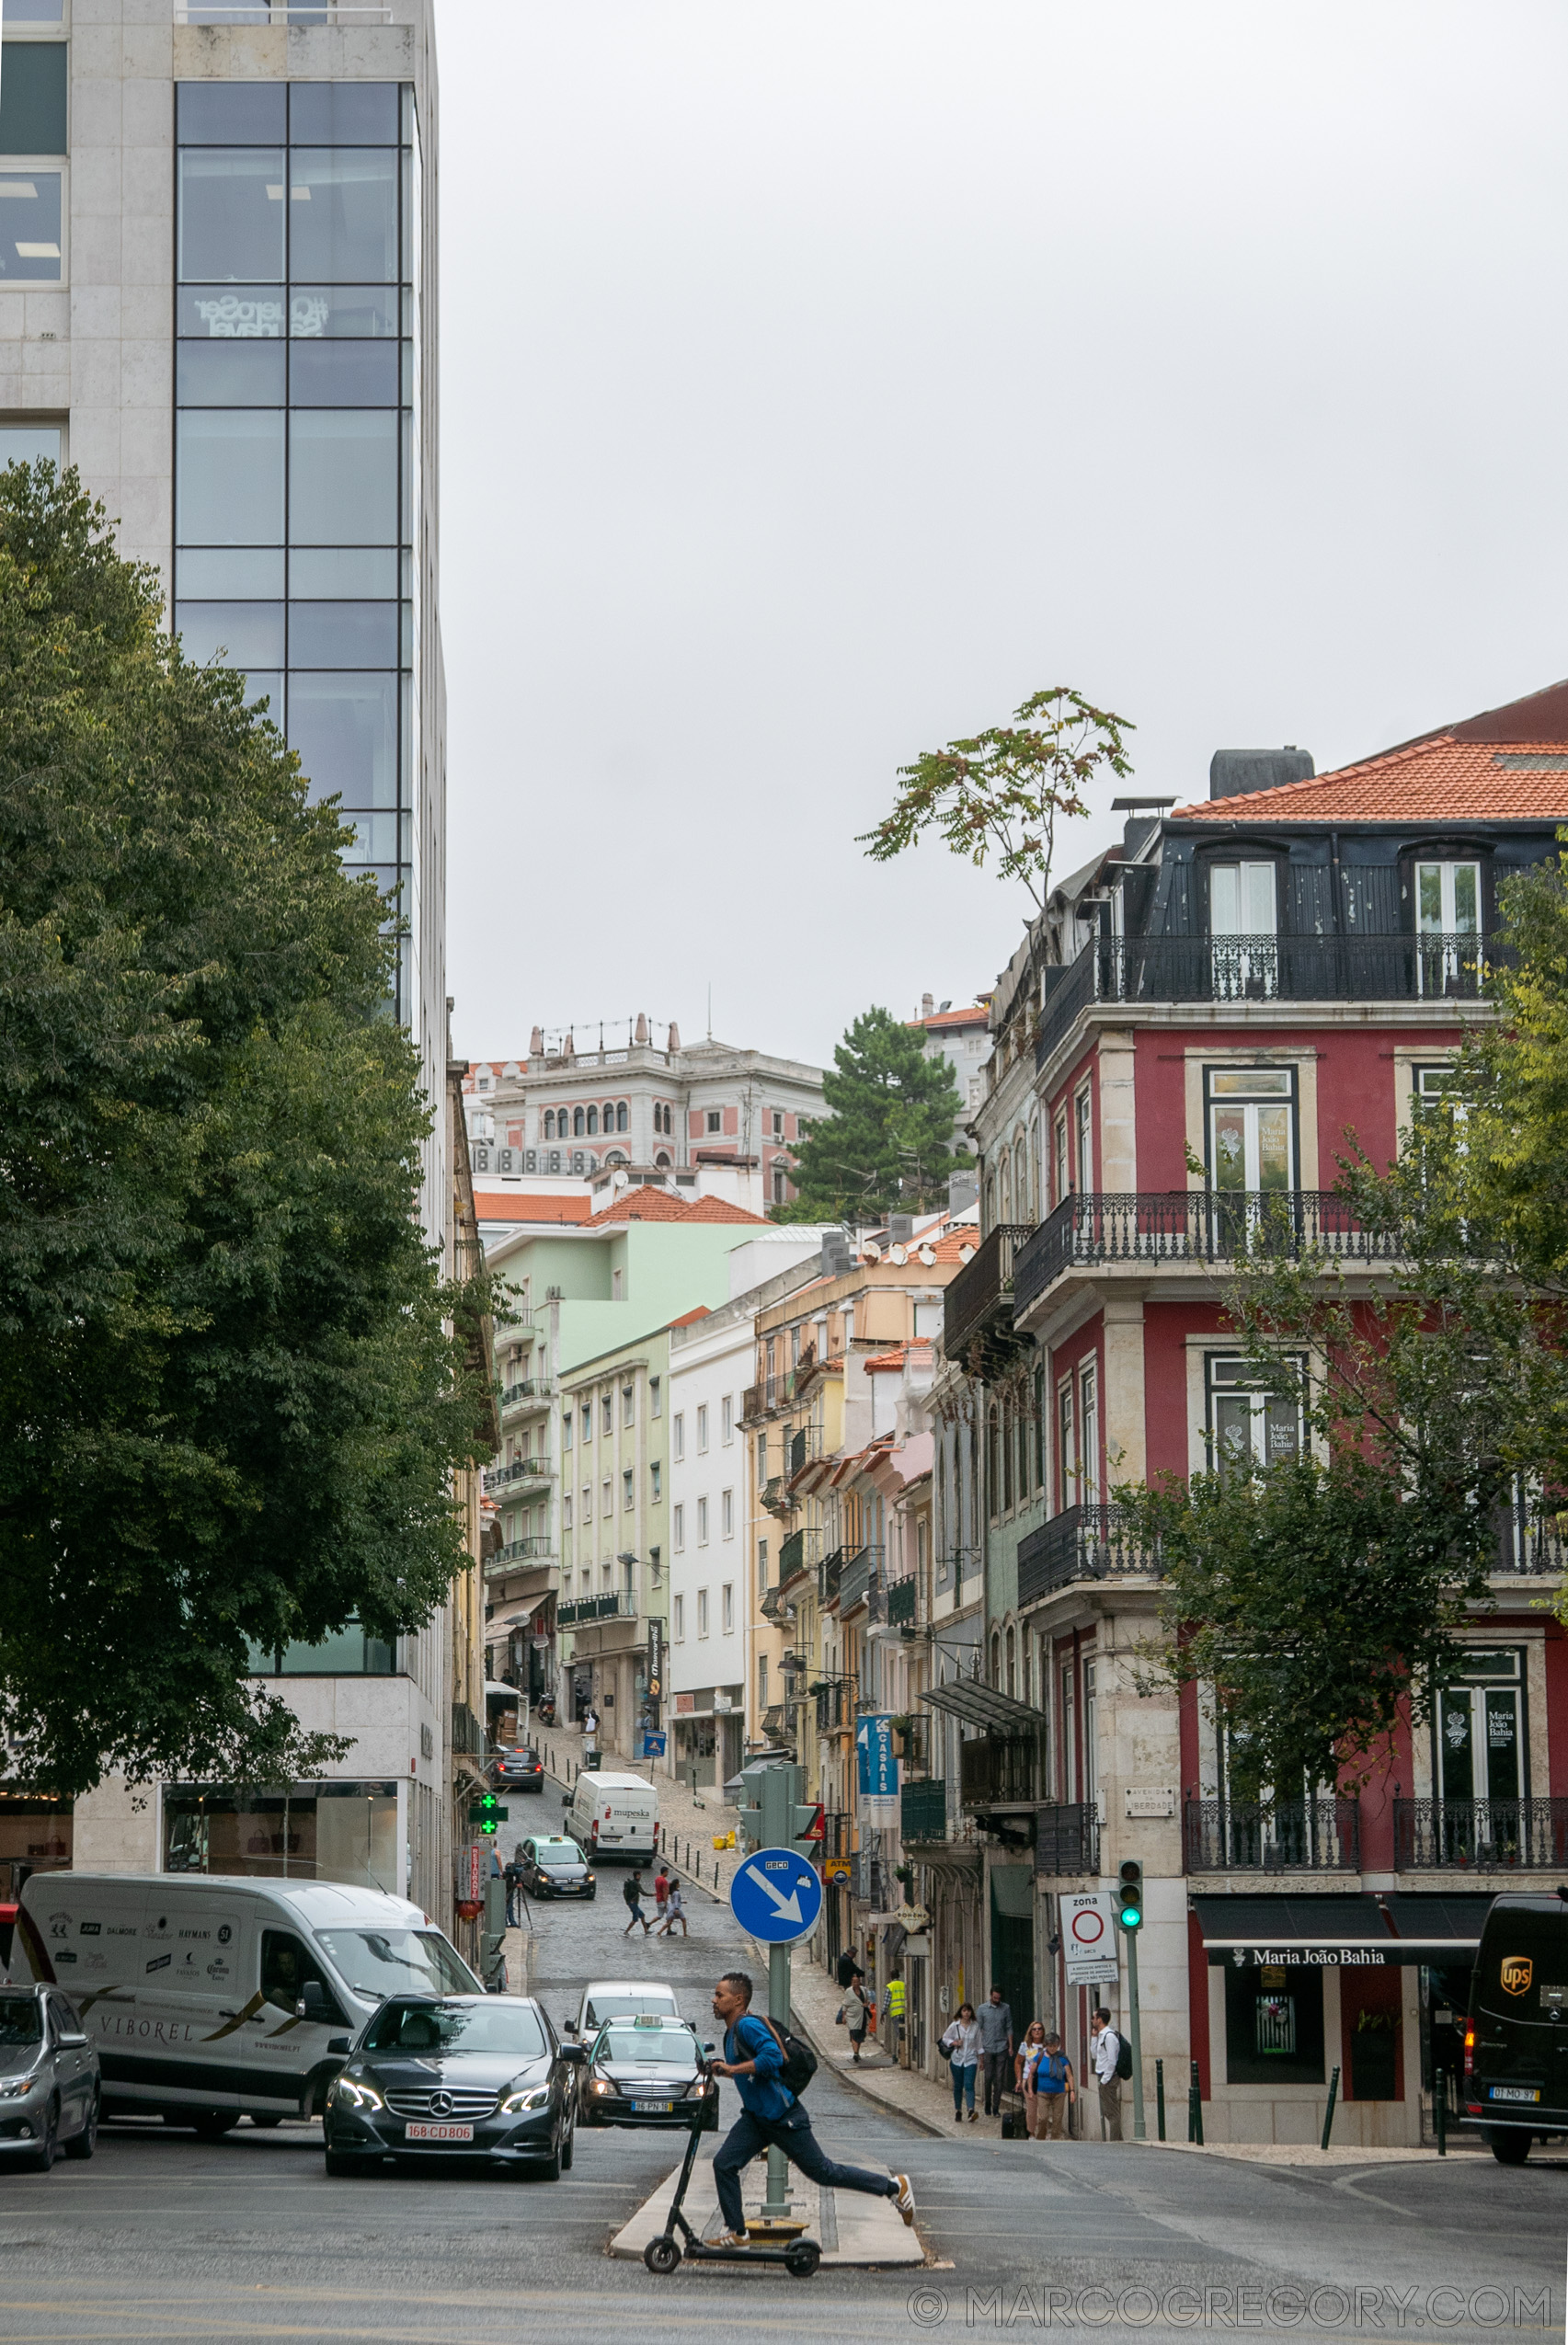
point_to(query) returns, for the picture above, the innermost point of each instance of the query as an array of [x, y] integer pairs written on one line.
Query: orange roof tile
[[689, 1319], [508, 1206], [887, 1362], [657, 1204], [1508, 764], [976, 1015]]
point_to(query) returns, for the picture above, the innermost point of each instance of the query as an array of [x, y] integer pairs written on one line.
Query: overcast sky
[[819, 380]]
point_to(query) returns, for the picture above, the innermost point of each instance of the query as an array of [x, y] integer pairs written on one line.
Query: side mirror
[[566, 1799], [73, 2044], [570, 2028], [574, 2053], [314, 2003], [338, 2046]]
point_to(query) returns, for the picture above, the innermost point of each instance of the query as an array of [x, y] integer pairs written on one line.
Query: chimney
[[928, 1005], [642, 1027], [674, 1035], [1231, 772], [536, 1043]]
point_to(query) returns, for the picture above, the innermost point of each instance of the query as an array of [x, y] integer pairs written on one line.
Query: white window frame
[[727, 1420], [678, 1620], [701, 1612], [702, 1428], [727, 1514], [678, 1435], [727, 1607], [678, 1529], [702, 1522]]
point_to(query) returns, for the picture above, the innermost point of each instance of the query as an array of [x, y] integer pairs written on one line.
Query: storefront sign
[[1089, 1939], [877, 1767], [1311, 1958], [655, 1668], [838, 1868]]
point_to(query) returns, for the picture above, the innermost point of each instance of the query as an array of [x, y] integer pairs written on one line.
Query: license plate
[[1516, 2092], [653, 2108], [437, 2133]]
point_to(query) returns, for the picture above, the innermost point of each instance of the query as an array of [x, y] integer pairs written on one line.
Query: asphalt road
[[162, 2237]]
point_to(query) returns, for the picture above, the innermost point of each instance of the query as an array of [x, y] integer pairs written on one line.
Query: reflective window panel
[[232, 113], [230, 373], [229, 312], [341, 573], [343, 482], [29, 227], [229, 574], [229, 476], [343, 113], [343, 374], [337, 312], [30, 443], [345, 728], [343, 215], [343, 634], [242, 635], [32, 97], [231, 215]]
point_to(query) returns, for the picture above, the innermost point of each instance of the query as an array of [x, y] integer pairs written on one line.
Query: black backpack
[[1124, 2055], [799, 2060], [633, 1893]]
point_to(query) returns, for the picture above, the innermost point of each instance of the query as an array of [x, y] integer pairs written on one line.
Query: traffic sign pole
[[1140, 2121], [779, 1910]]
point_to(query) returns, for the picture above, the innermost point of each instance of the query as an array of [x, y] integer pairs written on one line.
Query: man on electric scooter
[[772, 2115]]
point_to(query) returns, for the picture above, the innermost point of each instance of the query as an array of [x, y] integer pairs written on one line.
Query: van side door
[[286, 2050]]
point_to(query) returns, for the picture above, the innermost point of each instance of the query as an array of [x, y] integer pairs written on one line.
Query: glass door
[[1479, 1772], [1252, 1156], [1244, 925], [1447, 910]]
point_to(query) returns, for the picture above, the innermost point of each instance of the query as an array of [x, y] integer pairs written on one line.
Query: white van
[[208, 1997], [613, 1816]]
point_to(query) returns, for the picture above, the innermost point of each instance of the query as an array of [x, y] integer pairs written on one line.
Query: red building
[[1207, 1012]]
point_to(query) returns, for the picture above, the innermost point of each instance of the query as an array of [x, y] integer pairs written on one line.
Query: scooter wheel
[[661, 2255], [802, 2257]]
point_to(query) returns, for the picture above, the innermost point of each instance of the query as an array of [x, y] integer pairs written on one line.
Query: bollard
[[1159, 2099], [1328, 2113], [1440, 2109], [1195, 2108]]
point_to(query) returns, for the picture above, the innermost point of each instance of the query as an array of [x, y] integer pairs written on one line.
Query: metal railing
[[520, 1469], [827, 1573], [467, 1734], [516, 1554], [922, 1811], [804, 1443], [901, 1604], [1481, 1836], [861, 1570], [617, 1605], [799, 1552], [835, 1706], [1282, 1836], [1067, 1840], [999, 1768], [1197, 1226], [983, 1288], [533, 1388], [1081, 1543], [1132, 969], [1530, 1541]]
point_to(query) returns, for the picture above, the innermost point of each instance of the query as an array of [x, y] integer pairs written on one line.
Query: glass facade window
[[31, 211], [34, 76], [296, 486]]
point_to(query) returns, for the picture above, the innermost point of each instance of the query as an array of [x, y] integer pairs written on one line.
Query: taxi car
[[647, 2069]]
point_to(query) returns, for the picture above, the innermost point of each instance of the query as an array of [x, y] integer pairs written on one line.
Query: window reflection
[[242, 634], [343, 374], [345, 728], [343, 634], [229, 373], [366, 312], [238, 312], [29, 227], [229, 476], [344, 481], [231, 215], [343, 215]]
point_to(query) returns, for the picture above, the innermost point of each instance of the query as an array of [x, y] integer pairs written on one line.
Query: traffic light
[[773, 1813], [1129, 1899], [487, 1814]]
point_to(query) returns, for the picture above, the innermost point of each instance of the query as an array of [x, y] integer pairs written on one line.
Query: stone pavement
[[850, 2227]]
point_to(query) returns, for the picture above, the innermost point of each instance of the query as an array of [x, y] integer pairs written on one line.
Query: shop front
[[708, 1724], [347, 1831], [36, 1835], [1286, 1989]]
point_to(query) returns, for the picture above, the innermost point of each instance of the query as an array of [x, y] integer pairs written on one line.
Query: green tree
[[888, 1144], [232, 1386], [1001, 792]]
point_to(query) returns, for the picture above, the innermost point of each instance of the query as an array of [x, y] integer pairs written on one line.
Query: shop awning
[[981, 1705], [1335, 1931]]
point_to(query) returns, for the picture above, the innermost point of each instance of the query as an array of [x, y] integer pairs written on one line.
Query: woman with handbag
[[1031, 2051], [961, 2046]]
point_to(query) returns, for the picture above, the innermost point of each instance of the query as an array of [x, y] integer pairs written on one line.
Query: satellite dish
[[871, 1252], [927, 1255], [965, 1254], [898, 1255]]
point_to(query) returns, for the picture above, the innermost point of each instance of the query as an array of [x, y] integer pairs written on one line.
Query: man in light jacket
[[1104, 2045], [996, 2049]]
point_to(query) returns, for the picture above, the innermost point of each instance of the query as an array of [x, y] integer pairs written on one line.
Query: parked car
[[50, 2091], [646, 2070], [619, 1998], [519, 1770], [458, 2077], [555, 1868]]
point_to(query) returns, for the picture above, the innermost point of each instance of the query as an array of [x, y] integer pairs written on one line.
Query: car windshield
[[446, 2028], [670, 2046], [379, 1963], [558, 1852], [21, 2020], [613, 2006]]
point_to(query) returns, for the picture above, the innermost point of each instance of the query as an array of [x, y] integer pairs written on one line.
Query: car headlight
[[16, 2086], [588, 1876], [600, 2084], [537, 2096], [351, 2094]]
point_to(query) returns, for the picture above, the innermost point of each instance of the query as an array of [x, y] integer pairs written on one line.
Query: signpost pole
[[1139, 2120], [772, 1817]]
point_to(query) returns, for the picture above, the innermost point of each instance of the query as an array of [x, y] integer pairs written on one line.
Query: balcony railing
[[1198, 1226], [1481, 1836], [1067, 1840], [804, 1445], [1081, 1543], [775, 1497], [1138, 969], [922, 1812], [983, 1290], [827, 1573], [519, 1555], [520, 1469], [1530, 1539], [617, 1605], [533, 1388], [901, 1602], [835, 1707], [999, 1769], [861, 1570], [467, 1734], [1286, 1836], [798, 1553]]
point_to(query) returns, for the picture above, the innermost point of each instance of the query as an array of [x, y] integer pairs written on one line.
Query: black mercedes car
[[646, 2070], [454, 2076], [555, 1868]]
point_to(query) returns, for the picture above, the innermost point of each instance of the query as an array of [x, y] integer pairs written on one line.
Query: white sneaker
[[904, 2198]]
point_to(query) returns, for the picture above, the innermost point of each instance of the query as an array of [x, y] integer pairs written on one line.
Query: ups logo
[[1515, 1974]]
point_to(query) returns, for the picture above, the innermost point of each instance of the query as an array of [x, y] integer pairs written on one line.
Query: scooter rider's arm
[[766, 2060]]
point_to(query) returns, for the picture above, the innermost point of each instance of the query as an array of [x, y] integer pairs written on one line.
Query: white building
[[250, 383], [961, 1037]]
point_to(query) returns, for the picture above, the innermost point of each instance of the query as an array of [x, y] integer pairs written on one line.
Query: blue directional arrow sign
[[775, 1896]]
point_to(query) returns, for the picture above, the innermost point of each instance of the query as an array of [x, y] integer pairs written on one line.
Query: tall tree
[[887, 1143], [233, 1388], [1001, 793]]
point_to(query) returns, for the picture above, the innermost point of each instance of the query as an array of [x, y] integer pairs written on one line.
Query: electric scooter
[[663, 2254]]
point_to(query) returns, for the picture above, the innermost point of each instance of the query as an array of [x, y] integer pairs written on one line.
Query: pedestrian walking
[[514, 1880], [961, 2043], [1055, 2092], [1026, 2061], [1105, 2050], [675, 1904], [855, 2009], [633, 1893], [661, 1890], [771, 2116], [996, 2046], [849, 1968], [590, 1732]]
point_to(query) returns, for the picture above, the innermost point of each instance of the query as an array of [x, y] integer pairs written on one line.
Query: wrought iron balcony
[[1067, 1840], [467, 1734], [798, 1553], [615, 1605], [774, 1495], [835, 1705], [1530, 1541], [827, 1573], [922, 1812], [1137, 970], [979, 1299], [901, 1602], [1286, 1836], [535, 1389], [804, 1443], [522, 1470], [519, 1555], [1081, 1543], [1481, 1836], [1196, 1226], [861, 1571], [999, 1770]]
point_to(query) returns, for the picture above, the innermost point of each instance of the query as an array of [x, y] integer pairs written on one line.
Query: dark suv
[[1516, 2053]]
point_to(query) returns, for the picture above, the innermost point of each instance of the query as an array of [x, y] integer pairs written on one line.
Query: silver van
[[208, 1998]]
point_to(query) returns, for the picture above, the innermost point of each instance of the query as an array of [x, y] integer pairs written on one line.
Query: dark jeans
[[963, 2083], [750, 2137], [999, 2077]]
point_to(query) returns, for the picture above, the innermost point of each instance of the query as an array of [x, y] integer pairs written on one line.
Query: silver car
[[50, 2085]]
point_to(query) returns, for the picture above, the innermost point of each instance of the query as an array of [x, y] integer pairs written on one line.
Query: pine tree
[[886, 1145]]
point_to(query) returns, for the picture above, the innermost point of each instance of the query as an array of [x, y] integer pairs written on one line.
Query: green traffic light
[[1131, 1902]]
